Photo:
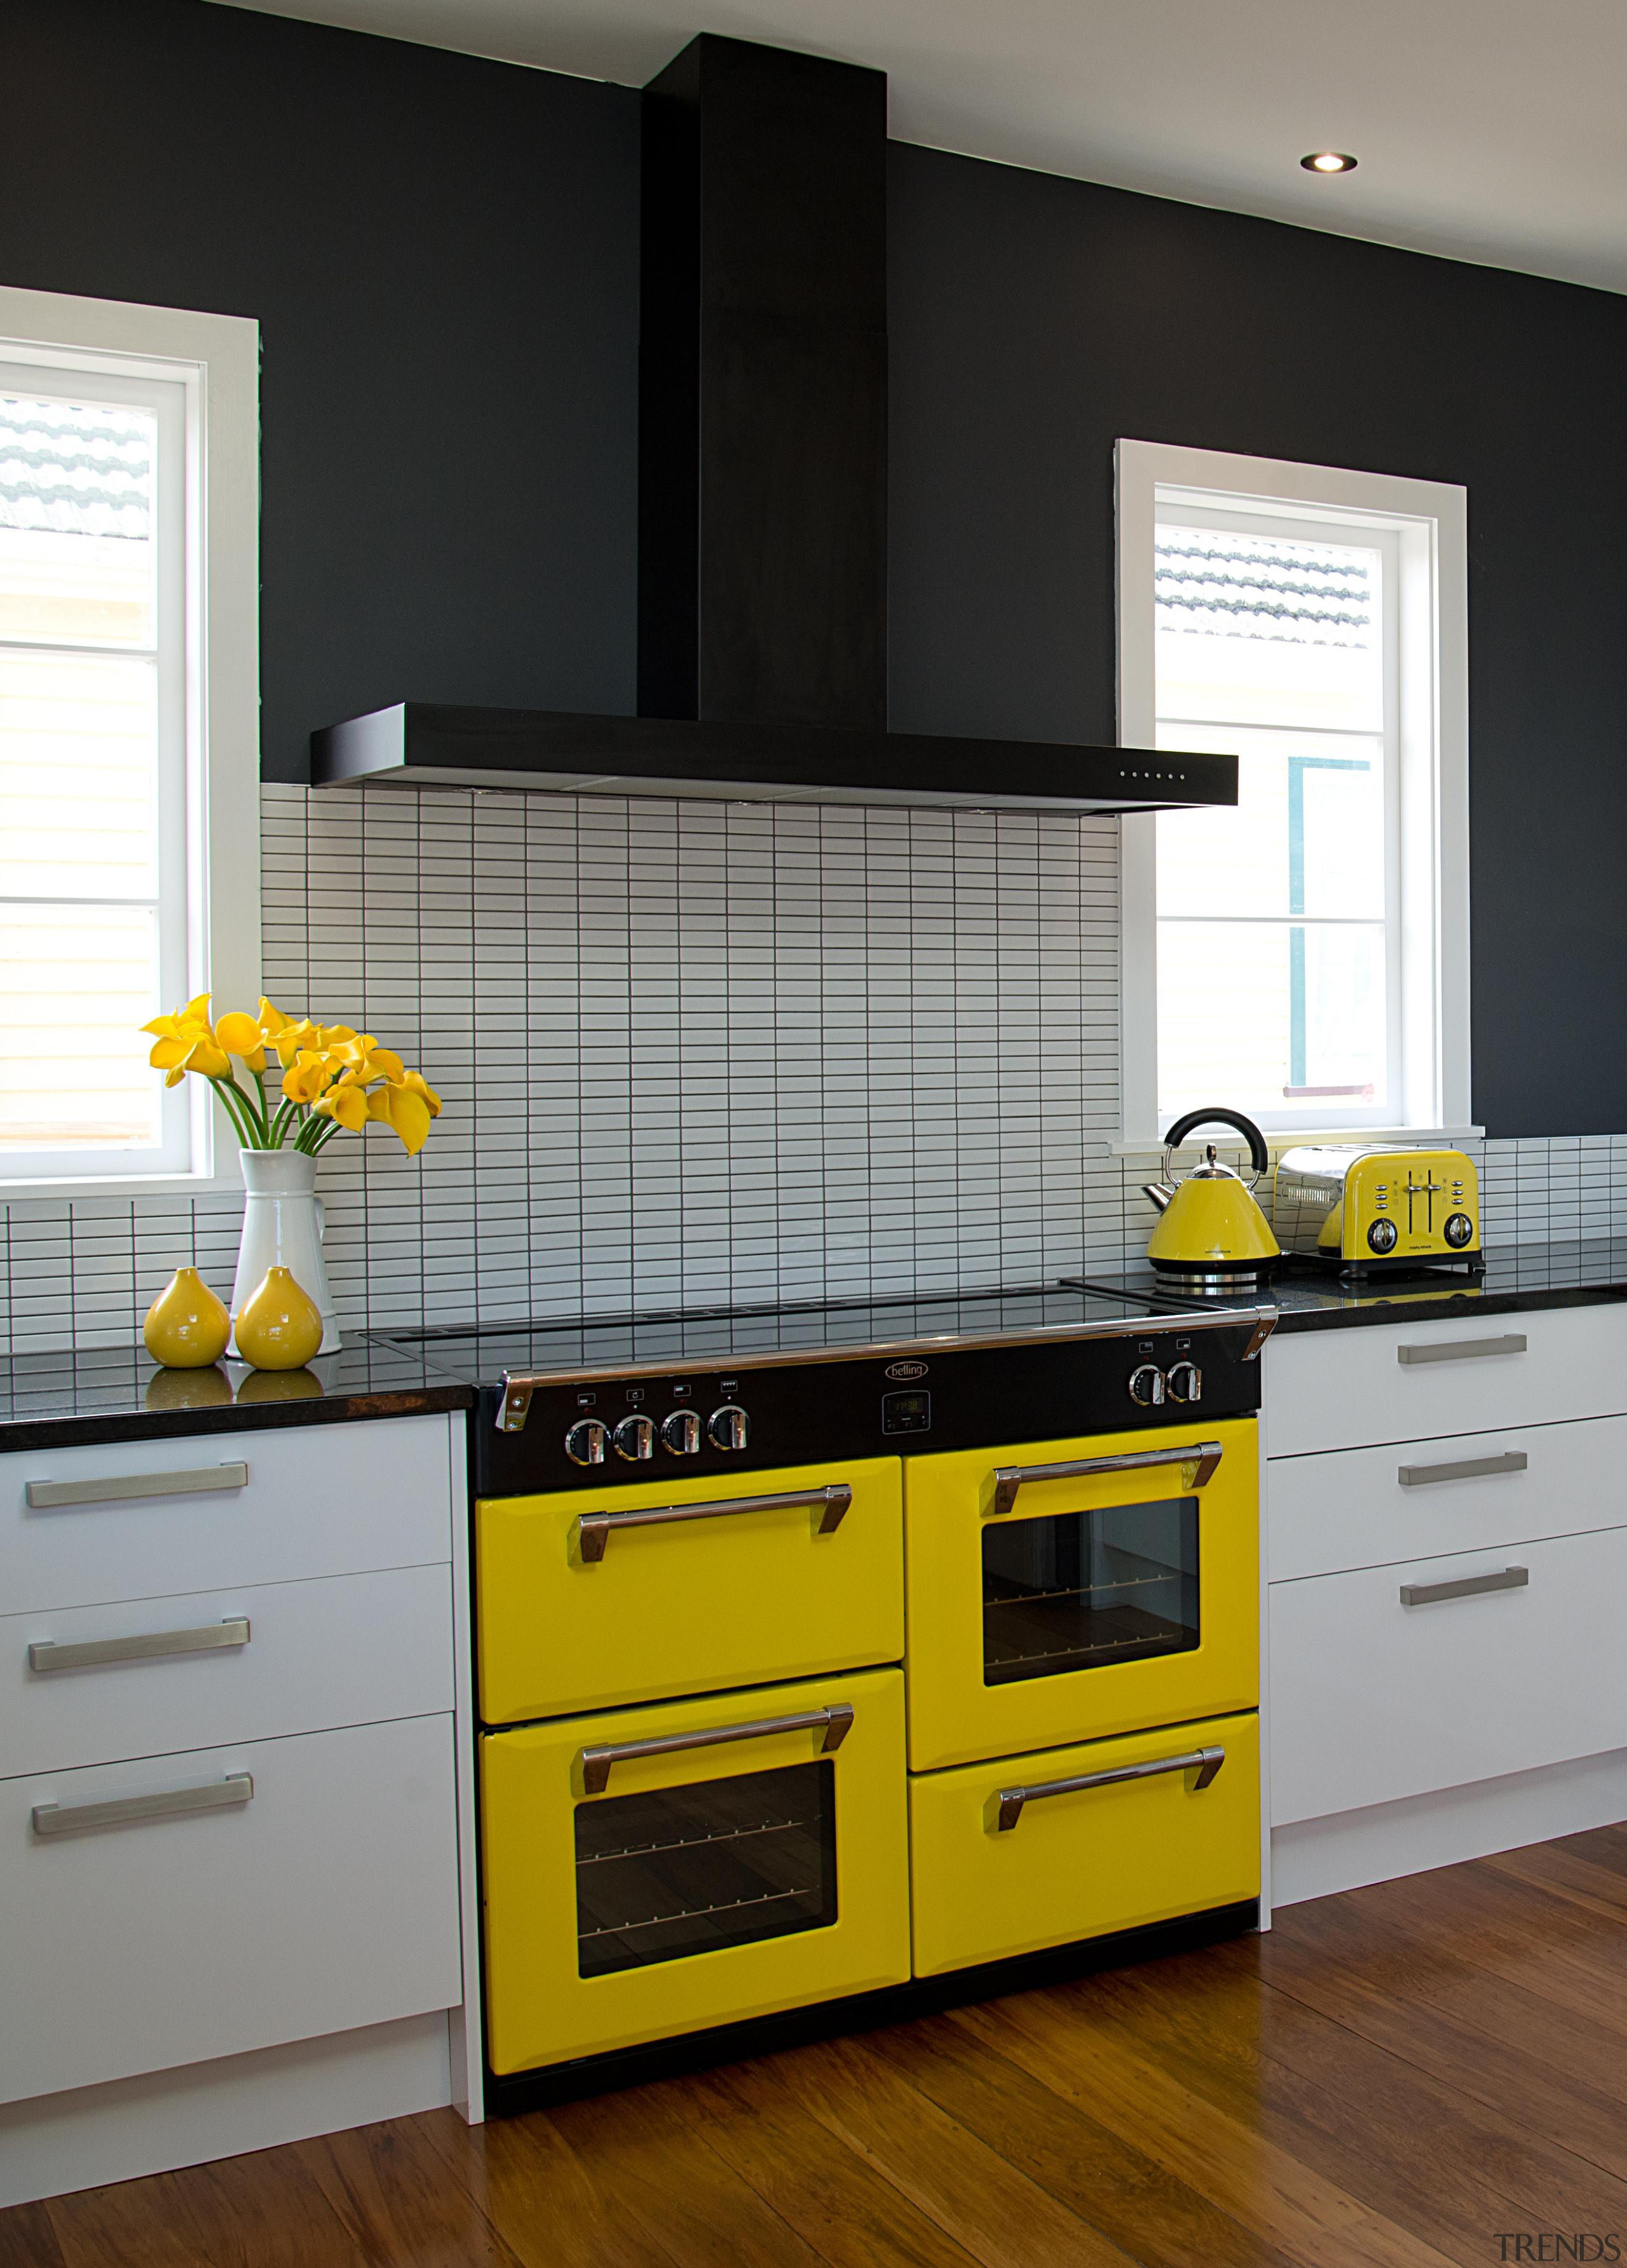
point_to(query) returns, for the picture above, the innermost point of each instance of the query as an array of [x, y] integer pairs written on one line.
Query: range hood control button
[[1146, 1385], [586, 1442], [681, 1432], [634, 1439], [1186, 1382], [728, 1428]]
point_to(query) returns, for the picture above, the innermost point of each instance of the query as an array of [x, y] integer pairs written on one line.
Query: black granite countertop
[[116, 1394], [1523, 1279]]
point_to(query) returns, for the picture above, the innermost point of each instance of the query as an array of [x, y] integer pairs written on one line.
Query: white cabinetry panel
[[1338, 1389], [318, 1500], [1373, 1700], [343, 1650], [328, 1901], [1352, 1508]]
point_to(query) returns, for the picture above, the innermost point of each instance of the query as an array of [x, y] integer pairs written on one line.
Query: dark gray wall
[[442, 256], [1034, 320]]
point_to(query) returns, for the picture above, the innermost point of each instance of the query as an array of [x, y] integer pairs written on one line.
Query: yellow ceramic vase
[[279, 1326], [186, 1326]]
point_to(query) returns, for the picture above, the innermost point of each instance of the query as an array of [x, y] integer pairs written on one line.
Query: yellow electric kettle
[[1212, 1236]]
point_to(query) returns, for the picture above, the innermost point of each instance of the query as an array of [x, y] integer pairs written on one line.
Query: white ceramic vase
[[282, 1228]]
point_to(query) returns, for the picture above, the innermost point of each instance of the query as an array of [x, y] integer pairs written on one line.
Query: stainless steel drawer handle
[[91, 1653], [1203, 1456], [836, 1722], [1205, 1761], [1464, 1469], [126, 1488], [128, 1810], [1463, 1350], [594, 1529], [1464, 1587]]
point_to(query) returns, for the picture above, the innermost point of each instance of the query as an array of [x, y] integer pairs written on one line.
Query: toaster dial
[[1381, 1236], [1458, 1229]]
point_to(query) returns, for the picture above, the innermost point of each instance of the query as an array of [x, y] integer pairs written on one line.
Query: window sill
[[1411, 1138], [122, 1187]]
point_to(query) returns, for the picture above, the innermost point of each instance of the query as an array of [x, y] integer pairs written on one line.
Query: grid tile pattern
[[693, 1052]]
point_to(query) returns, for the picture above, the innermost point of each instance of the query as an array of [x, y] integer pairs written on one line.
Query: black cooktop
[[481, 1354]]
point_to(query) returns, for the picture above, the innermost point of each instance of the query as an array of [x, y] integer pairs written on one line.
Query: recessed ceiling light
[[1328, 161]]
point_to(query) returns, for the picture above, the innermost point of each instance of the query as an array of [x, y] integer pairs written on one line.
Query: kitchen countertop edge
[[82, 1429]]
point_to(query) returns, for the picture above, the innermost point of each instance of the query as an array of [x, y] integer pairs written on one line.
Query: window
[[129, 762], [1303, 956]]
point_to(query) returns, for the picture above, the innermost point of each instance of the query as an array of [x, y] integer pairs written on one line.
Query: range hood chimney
[[762, 496]]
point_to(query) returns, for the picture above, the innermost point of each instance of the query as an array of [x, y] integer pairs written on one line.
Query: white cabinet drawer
[[1358, 1507], [1339, 1389], [329, 1900], [346, 1650], [313, 1500], [1373, 1699]]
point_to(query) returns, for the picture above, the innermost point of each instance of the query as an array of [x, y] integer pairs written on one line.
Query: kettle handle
[[1259, 1157]]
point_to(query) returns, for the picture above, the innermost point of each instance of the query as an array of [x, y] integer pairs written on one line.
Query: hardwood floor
[[1405, 2075]]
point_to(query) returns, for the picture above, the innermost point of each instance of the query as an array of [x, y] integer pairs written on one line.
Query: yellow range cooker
[[828, 1654]]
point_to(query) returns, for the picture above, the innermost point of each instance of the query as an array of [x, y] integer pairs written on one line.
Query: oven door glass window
[[684, 1870], [1086, 1588]]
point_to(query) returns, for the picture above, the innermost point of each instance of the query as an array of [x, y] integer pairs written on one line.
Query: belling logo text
[[906, 1370]]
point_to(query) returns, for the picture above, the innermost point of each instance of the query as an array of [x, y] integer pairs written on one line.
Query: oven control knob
[[1146, 1386], [634, 1439], [584, 1443], [681, 1432], [1382, 1235], [1458, 1229], [728, 1428], [1186, 1382]]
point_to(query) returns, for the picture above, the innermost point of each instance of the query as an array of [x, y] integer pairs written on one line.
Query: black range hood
[[762, 496]]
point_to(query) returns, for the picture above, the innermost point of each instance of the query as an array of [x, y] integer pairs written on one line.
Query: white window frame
[[215, 358], [1429, 520]]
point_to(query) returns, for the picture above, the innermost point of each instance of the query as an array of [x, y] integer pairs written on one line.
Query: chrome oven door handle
[[1203, 1456], [1205, 1761], [835, 1722], [594, 1529]]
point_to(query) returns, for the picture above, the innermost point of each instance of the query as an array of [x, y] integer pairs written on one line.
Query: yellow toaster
[[1366, 1211]]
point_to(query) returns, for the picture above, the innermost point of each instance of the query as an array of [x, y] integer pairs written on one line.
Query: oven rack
[[695, 1913], [1082, 1590], [690, 1842]]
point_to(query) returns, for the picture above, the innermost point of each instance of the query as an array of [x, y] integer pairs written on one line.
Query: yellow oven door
[[593, 1597], [1065, 1590], [661, 1870], [1072, 1843]]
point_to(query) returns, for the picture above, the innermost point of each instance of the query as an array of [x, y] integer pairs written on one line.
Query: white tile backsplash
[[694, 1052]]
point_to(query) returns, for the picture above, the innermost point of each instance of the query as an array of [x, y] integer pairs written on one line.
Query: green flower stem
[[259, 1078], [237, 1107]]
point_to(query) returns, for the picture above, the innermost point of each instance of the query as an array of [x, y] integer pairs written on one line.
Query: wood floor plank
[[850, 2214], [1606, 1846], [652, 2150], [388, 2186], [1569, 1874], [1215, 2025], [1393, 2105], [27, 2238], [1126, 2193], [1515, 1931], [1555, 2099], [261, 2211], [1241, 2170], [551, 2209], [996, 2213]]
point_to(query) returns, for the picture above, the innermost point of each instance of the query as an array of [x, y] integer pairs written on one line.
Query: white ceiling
[[1489, 130]]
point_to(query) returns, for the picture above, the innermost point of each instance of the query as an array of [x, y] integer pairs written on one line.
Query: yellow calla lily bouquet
[[331, 1077]]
